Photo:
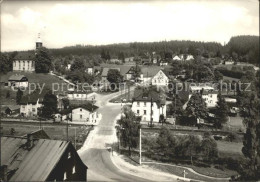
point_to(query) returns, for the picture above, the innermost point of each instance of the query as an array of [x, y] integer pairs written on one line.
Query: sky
[[67, 23]]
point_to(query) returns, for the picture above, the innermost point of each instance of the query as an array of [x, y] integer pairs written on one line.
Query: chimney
[[3, 173], [29, 141]]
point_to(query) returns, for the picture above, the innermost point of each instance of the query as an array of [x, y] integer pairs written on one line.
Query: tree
[[19, 95], [66, 103], [114, 77], [5, 63], [43, 63], [166, 142], [209, 148], [221, 114], [203, 73], [197, 107], [49, 105], [128, 127], [78, 65], [193, 146], [7, 94], [250, 107], [218, 76]]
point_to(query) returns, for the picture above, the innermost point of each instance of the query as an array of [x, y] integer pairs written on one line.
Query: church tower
[[38, 42]]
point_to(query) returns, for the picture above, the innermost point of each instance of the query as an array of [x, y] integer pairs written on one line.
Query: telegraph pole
[[75, 137], [140, 146]]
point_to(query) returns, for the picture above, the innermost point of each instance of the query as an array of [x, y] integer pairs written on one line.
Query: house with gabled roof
[[18, 81], [85, 113], [149, 104], [160, 79], [30, 103], [33, 159]]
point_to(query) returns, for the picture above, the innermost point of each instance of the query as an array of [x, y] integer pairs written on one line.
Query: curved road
[[94, 152]]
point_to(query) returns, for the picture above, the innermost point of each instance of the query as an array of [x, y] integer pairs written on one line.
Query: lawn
[[53, 131], [44, 80], [232, 148]]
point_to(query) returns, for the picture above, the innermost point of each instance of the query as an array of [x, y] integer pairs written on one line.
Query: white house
[[160, 79], [176, 58], [208, 94], [30, 103], [18, 81], [85, 113], [148, 104], [189, 57], [89, 68], [77, 95]]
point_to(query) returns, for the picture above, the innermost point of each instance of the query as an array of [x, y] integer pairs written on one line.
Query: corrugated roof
[[31, 165], [24, 56], [16, 77]]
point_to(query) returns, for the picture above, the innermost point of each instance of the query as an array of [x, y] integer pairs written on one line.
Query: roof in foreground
[[31, 165]]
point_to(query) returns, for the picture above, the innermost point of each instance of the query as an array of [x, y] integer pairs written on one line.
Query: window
[[73, 170], [65, 176], [138, 103], [144, 112], [137, 111], [80, 109], [69, 155], [144, 103], [80, 116]]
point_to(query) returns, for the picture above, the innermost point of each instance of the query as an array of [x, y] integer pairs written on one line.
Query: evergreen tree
[[19, 95], [221, 115], [197, 107], [43, 63], [49, 105]]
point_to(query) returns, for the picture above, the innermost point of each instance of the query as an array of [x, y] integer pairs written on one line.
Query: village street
[[94, 152], [97, 157]]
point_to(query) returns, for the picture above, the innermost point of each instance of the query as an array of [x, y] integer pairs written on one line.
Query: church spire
[[39, 42]]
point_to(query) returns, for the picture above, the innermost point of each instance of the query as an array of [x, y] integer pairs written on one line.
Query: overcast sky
[[103, 22]]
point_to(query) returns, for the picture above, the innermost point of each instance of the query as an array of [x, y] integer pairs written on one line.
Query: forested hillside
[[245, 48]]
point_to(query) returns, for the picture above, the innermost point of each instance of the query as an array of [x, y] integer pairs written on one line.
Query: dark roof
[[150, 71], [146, 95], [17, 77], [88, 106], [35, 164], [24, 56]]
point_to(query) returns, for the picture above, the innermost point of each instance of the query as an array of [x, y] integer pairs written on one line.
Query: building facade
[[148, 105], [85, 113], [160, 79]]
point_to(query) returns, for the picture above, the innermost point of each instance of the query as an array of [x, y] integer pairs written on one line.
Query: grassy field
[[54, 132]]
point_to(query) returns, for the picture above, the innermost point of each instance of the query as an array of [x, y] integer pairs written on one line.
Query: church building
[[24, 61]]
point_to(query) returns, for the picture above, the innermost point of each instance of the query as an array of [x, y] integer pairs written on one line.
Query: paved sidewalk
[[143, 171]]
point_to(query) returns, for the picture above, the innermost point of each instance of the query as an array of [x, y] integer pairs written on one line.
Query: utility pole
[[140, 146], [75, 137], [151, 122], [67, 130]]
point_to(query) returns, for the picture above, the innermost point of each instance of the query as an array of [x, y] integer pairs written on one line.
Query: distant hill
[[246, 47]]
